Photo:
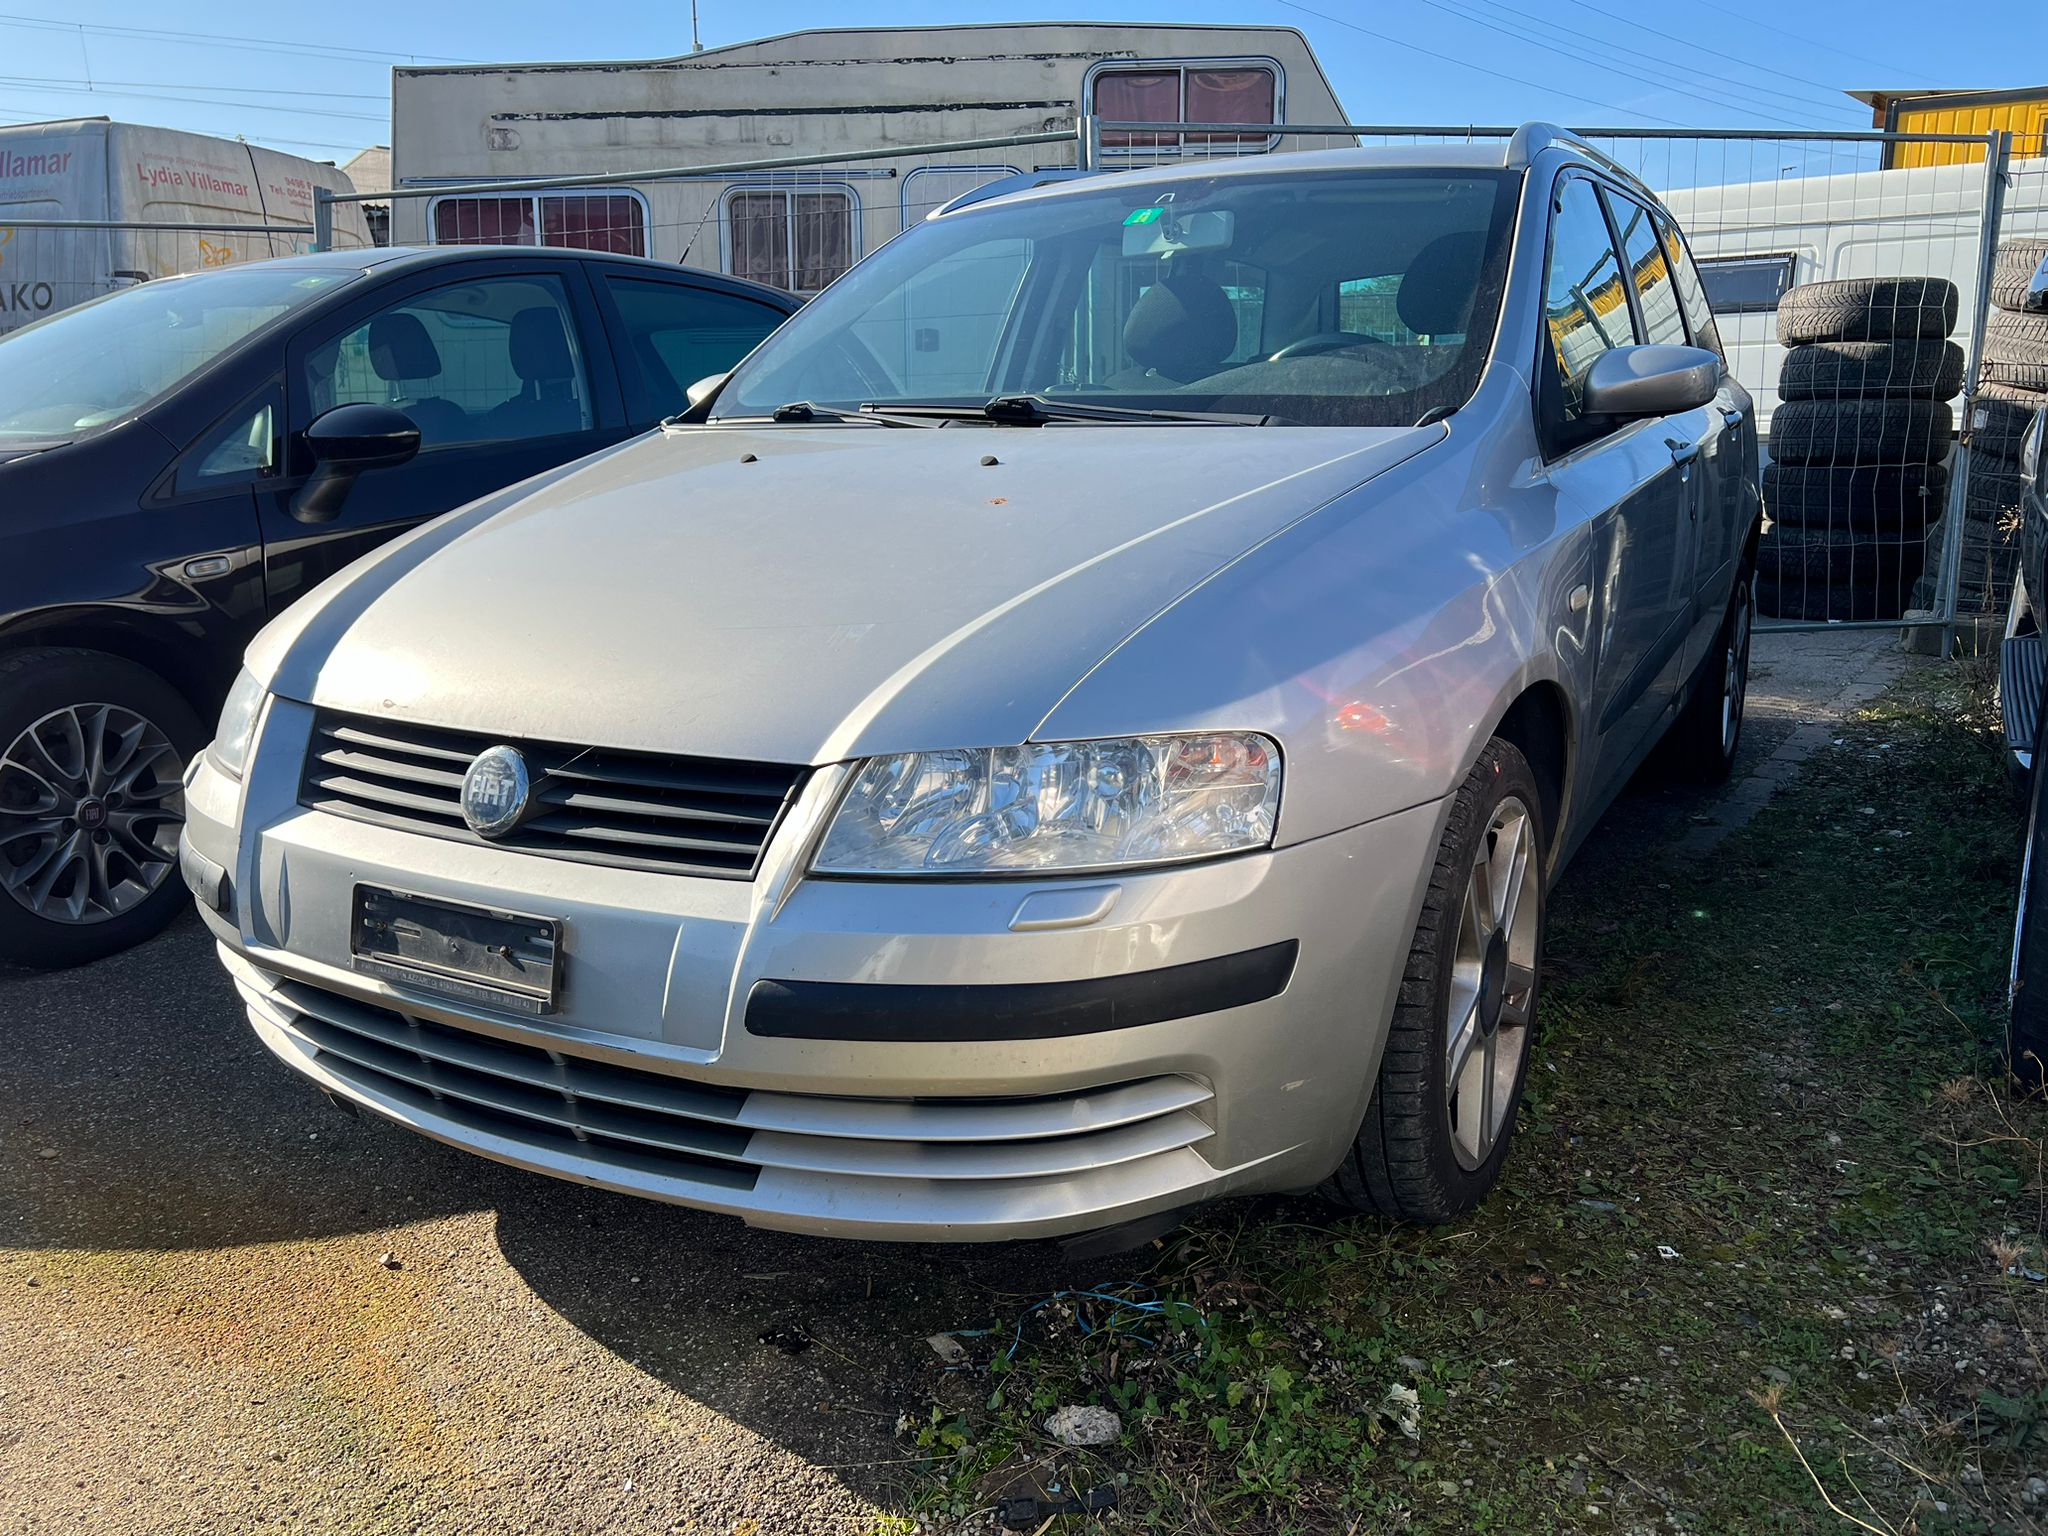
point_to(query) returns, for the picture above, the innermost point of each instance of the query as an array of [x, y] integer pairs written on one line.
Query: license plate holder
[[478, 954]]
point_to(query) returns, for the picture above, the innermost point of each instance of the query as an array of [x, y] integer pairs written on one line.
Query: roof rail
[[1531, 139]]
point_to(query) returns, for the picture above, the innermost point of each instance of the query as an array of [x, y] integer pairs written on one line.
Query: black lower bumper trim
[[1038, 1010]]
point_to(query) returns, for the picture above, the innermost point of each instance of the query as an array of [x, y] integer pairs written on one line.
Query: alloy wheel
[[91, 803], [1493, 984]]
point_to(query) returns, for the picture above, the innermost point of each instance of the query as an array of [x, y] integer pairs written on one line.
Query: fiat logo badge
[[496, 791]]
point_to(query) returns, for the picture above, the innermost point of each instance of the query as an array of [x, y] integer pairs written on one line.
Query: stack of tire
[[1857, 445], [2012, 384]]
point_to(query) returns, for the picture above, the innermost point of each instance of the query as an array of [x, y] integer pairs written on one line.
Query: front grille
[[652, 1122], [630, 810]]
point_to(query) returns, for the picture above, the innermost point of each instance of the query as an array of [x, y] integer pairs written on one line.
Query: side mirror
[[698, 397], [345, 442], [2037, 288], [2030, 450], [1651, 381]]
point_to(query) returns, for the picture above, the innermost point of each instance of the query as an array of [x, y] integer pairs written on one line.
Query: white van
[[1753, 240], [93, 169]]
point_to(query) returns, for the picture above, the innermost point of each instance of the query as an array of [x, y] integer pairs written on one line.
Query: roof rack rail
[[1531, 139]]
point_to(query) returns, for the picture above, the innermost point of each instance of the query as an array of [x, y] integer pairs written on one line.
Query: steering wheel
[[1325, 341]]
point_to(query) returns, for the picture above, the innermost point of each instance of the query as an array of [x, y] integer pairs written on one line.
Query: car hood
[[806, 594]]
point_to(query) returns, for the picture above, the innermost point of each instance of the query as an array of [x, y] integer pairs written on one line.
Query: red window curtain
[[760, 236], [484, 221], [1229, 96], [604, 222], [824, 239], [1138, 96]]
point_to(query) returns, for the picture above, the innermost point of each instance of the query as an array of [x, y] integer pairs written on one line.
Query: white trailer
[[1753, 240], [826, 92], [104, 174]]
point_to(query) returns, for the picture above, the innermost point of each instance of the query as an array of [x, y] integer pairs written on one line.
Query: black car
[[2023, 692], [181, 460]]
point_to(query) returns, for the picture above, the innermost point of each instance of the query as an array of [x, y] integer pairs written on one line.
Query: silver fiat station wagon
[[1081, 722]]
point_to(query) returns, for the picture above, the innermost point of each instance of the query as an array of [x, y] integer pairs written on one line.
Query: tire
[[1895, 499], [53, 911], [1409, 1160], [1861, 432], [2015, 350], [1792, 557], [2012, 272], [1867, 309], [1830, 370], [1813, 602], [1999, 417], [2026, 1031], [1701, 745]]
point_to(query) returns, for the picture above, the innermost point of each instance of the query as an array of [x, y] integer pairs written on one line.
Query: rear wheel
[[1450, 1079], [92, 760], [1702, 741]]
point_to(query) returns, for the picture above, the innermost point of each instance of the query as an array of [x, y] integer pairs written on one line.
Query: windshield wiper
[[800, 411], [1037, 410]]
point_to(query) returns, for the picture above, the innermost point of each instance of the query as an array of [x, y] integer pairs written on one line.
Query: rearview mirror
[[1651, 381], [345, 442]]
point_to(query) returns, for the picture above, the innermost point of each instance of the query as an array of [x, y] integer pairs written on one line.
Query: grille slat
[[623, 810], [626, 1115]]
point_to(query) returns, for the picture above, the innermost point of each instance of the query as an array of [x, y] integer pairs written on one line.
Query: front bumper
[[649, 1079]]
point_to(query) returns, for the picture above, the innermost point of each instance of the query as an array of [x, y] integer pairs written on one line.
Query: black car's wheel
[[1702, 741], [1443, 1111], [92, 758]]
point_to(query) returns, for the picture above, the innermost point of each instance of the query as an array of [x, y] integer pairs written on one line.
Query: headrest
[[400, 348], [1183, 326], [540, 348], [1436, 293]]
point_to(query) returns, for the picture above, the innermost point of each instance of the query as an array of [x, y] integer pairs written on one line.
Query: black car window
[[678, 334], [243, 445], [1585, 307], [1650, 270], [479, 361]]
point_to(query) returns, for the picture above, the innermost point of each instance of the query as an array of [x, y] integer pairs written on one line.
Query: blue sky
[[314, 80]]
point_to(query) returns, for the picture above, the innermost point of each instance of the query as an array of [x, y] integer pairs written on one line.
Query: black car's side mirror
[[1651, 381], [345, 442], [2037, 288]]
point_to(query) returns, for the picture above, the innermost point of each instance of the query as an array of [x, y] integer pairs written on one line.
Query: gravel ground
[[226, 1307]]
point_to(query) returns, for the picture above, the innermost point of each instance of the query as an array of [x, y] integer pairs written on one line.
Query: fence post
[[1948, 582], [1087, 141], [323, 219]]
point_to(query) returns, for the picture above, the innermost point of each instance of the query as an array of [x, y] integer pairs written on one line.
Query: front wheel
[[92, 760], [1450, 1079]]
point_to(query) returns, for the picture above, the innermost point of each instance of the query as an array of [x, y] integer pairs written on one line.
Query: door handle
[[1682, 452], [1731, 415]]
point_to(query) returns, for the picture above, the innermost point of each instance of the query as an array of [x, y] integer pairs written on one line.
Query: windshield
[[1327, 298], [85, 369]]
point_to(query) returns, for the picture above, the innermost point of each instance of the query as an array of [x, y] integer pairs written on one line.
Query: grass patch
[[1750, 1259]]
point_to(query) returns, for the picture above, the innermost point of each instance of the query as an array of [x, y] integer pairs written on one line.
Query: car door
[[501, 364], [1633, 483], [1729, 495], [668, 332]]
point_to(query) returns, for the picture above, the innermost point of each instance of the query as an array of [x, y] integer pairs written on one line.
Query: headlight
[[237, 730], [1067, 805]]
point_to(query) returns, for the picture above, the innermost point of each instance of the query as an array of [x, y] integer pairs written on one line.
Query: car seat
[[546, 404], [402, 354], [1181, 329]]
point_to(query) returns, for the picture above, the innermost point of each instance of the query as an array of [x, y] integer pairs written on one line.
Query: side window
[[474, 362], [1585, 305], [1692, 292], [677, 335], [242, 447], [1650, 270]]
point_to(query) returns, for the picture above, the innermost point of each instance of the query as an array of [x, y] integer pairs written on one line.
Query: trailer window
[[1184, 93], [794, 238], [614, 222], [1746, 285]]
